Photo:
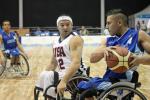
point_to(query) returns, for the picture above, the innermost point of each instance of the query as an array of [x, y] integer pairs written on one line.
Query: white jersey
[[61, 51]]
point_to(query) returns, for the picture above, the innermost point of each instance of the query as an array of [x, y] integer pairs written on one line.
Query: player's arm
[[76, 45], [98, 54], [53, 64], [1, 52], [19, 45], [144, 39]]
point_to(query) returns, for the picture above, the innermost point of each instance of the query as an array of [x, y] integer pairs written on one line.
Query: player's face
[[6, 26], [65, 27], [112, 25]]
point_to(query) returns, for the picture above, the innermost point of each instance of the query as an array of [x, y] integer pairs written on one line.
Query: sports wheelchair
[[119, 90], [71, 87], [21, 68]]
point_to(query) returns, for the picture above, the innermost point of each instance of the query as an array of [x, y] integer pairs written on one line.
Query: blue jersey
[[1, 30], [9, 40], [128, 40]]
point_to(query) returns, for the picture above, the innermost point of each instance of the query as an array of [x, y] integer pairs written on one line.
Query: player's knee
[[46, 74]]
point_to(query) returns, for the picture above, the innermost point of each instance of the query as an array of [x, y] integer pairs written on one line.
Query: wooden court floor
[[21, 88]]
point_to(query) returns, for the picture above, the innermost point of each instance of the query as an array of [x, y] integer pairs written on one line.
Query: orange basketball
[[119, 59]]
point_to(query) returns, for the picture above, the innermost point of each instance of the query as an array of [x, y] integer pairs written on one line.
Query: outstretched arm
[[1, 52]]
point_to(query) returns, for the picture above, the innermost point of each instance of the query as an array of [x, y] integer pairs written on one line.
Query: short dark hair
[[5, 21], [120, 14]]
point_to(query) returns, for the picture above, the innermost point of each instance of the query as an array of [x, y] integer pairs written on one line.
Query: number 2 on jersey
[[61, 63]]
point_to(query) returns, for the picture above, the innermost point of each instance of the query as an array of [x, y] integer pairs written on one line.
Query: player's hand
[[136, 60], [25, 54], [2, 60], [108, 49], [61, 88]]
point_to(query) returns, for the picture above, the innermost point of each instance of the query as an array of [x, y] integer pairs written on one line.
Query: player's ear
[[120, 22], [71, 25]]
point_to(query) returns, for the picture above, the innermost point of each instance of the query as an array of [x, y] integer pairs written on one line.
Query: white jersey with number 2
[[62, 53]]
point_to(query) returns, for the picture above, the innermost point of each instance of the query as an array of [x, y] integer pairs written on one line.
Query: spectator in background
[[38, 32], [84, 31], [46, 32], [138, 25], [143, 26], [106, 32]]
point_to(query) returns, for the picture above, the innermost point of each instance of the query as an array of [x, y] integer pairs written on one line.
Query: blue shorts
[[96, 82], [13, 52], [105, 82]]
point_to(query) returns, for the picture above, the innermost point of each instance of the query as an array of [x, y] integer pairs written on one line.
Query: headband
[[60, 18]]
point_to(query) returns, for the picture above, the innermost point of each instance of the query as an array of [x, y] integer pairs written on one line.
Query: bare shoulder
[[76, 40], [143, 36], [141, 32]]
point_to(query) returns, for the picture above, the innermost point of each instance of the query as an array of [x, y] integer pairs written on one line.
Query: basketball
[[119, 59]]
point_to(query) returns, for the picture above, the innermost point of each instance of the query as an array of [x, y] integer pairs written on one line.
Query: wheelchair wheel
[[72, 84], [121, 93], [88, 93], [48, 97], [2, 69], [23, 66], [37, 92]]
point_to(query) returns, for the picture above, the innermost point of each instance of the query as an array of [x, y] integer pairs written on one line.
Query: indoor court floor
[[21, 88]]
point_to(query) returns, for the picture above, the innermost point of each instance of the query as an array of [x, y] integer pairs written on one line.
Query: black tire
[[73, 82], [48, 97], [37, 92], [24, 65], [88, 93], [72, 86], [106, 94], [2, 69]]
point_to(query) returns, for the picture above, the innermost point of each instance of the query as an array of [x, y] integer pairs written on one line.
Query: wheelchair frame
[[131, 87], [5, 67], [121, 85]]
